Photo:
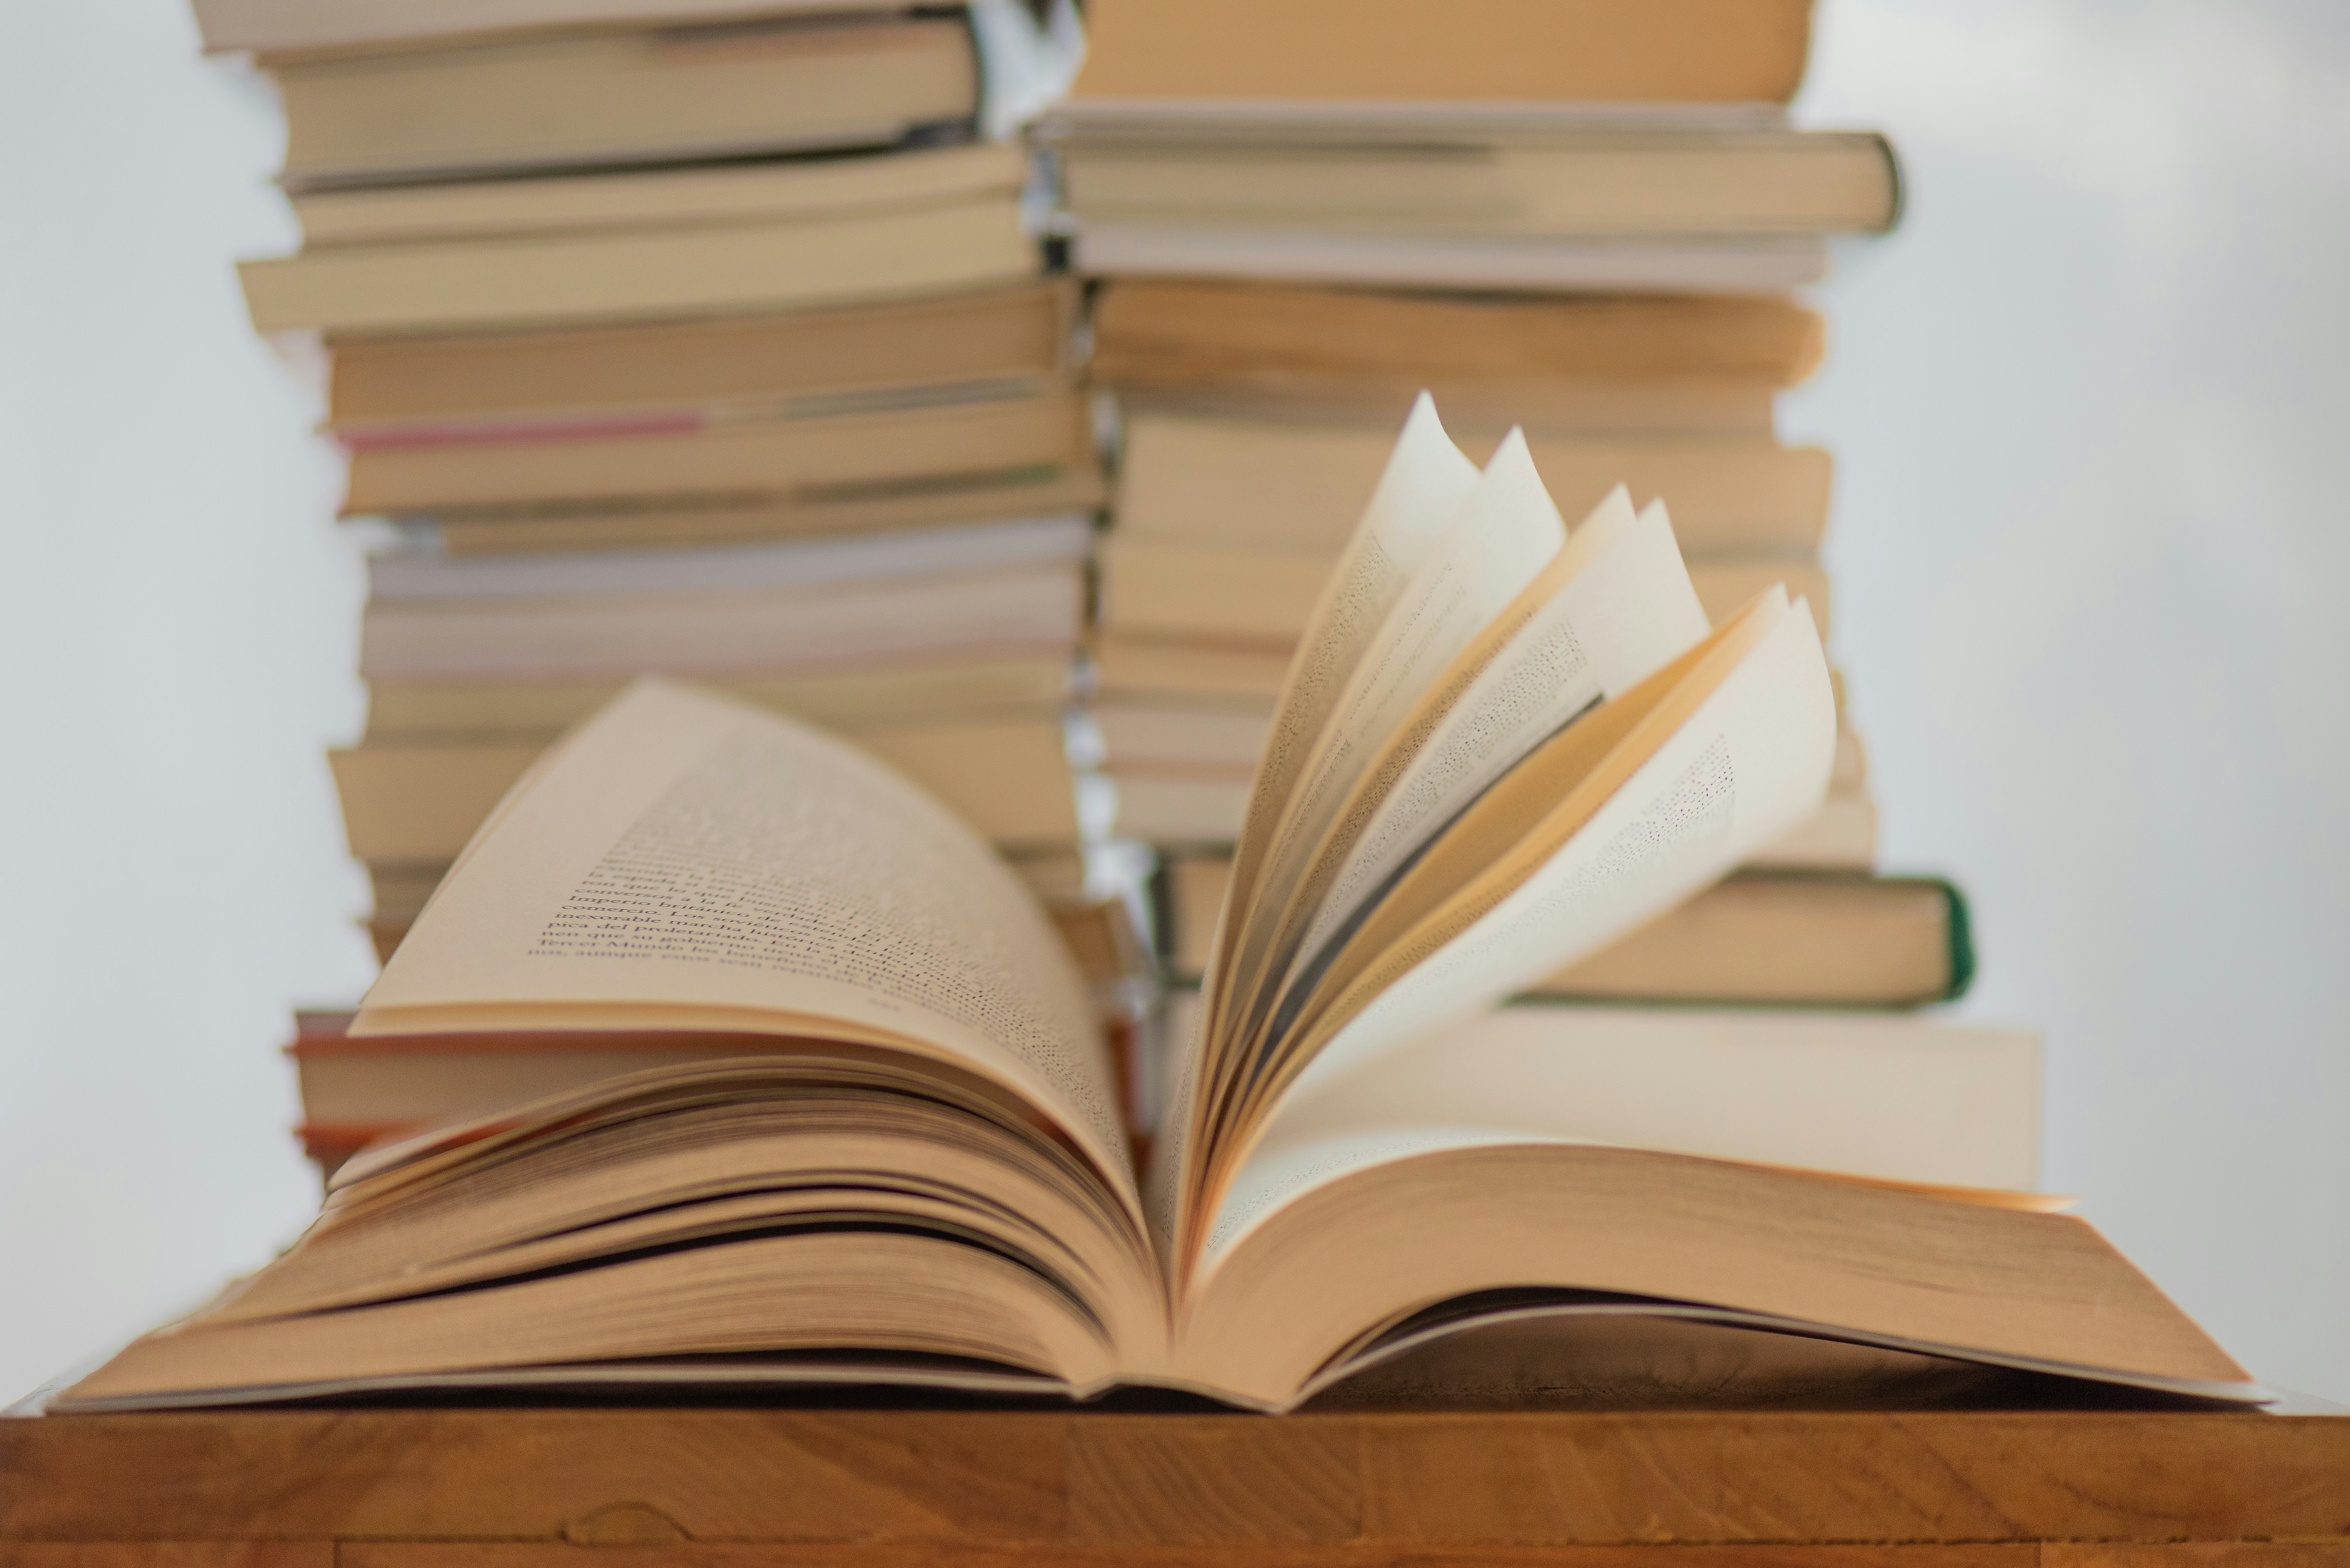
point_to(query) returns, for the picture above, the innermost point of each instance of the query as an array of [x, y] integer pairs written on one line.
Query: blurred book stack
[[699, 340], [1583, 217], [705, 337]]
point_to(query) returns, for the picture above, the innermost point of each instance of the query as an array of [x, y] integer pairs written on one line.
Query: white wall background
[[2091, 407], [2090, 410]]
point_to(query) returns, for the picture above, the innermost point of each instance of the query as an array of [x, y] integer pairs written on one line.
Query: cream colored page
[[1162, 1186], [687, 852], [1625, 615], [1636, 603], [1290, 954], [1506, 531], [1750, 762], [1858, 1095], [1418, 494]]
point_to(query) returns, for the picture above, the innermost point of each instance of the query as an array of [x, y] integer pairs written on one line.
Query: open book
[[888, 1150]]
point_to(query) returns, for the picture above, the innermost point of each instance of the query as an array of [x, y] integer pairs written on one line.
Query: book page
[[1749, 762], [1610, 821], [1505, 533], [1877, 1097], [1434, 703], [1419, 491], [1278, 975], [1164, 1181], [682, 861], [1884, 1264], [1497, 843], [1628, 612]]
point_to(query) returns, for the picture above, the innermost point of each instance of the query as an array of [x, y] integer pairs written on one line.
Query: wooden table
[[735, 1486]]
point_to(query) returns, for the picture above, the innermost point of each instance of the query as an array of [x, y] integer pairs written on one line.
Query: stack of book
[[1579, 219], [706, 341]]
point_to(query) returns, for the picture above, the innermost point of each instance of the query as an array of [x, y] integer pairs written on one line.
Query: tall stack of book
[[693, 340], [1581, 218]]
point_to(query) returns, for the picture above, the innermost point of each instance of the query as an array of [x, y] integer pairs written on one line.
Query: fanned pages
[[1423, 484], [857, 1122], [1613, 618], [1505, 532]]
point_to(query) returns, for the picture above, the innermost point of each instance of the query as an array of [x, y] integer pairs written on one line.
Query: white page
[[1626, 614]]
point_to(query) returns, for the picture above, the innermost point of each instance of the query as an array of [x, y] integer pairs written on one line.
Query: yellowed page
[[686, 861], [1628, 612]]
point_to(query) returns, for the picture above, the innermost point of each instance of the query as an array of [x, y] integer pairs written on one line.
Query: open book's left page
[[684, 862]]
